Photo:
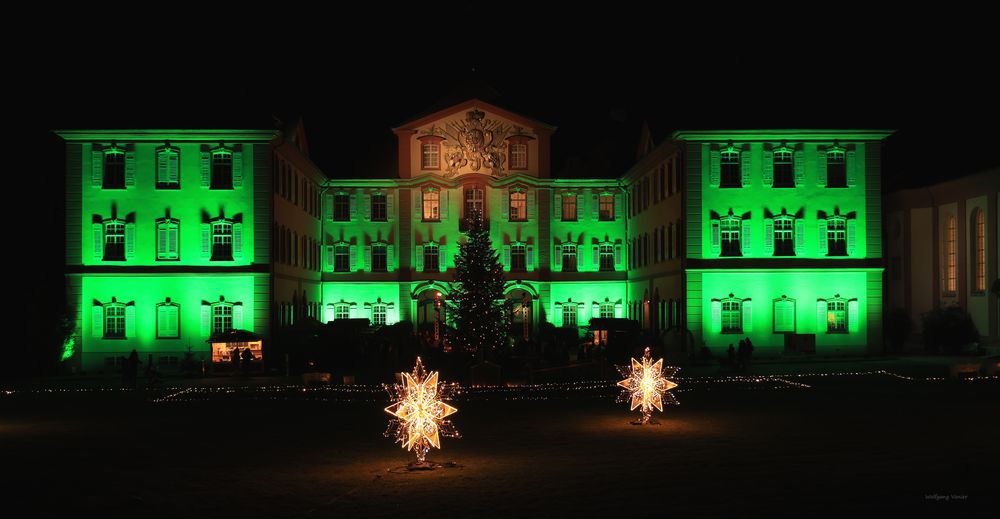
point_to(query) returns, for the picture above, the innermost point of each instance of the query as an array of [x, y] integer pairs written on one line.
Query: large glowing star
[[419, 413], [646, 385]]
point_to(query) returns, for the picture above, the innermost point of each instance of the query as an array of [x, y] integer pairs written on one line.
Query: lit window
[[430, 156], [836, 168], [979, 250], [167, 320], [569, 314], [518, 262], [784, 170], [607, 208], [379, 213], [431, 256], [114, 321], [836, 316], [379, 263], [341, 207], [222, 318], [378, 315], [730, 169], [114, 169], [836, 236], [222, 240], [222, 169], [950, 255], [341, 311], [168, 169], [167, 231], [114, 240], [518, 206], [432, 207], [518, 156], [474, 202], [731, 229], [784, 241], [607, 257], [569, 208], [341, 257], [569, 257], [784, 315], [732, 316]]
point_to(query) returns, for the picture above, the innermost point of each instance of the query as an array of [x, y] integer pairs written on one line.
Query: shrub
[[948, 329], [898, 326]]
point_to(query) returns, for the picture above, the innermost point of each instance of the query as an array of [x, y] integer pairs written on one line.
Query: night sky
[[595, 87]]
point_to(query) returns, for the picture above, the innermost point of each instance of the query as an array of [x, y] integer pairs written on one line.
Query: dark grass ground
[[858, 443]]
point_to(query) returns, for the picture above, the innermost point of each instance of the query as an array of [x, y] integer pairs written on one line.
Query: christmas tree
[[481, 319]]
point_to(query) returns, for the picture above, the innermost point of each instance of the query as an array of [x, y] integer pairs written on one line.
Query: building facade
[[176, 236]]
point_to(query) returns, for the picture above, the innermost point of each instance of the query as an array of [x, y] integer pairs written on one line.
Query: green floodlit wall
[[587, 293], [188, 291], [763, 287], [361, 293]]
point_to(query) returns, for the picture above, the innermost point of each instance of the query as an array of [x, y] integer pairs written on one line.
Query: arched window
[[222, 168], [836, 167], [950, 255], [114, 168], [167, 239], [978, 251], [168, 320], [784, 167], [431, 205], [518, 205], [168, 168], [731, 171]]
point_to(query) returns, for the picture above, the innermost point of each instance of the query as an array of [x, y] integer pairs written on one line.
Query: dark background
[[596, 75]]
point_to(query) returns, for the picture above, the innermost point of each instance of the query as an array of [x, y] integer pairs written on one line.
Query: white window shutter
[[716, 325], [390, 257], [419, 259], [418, 199], [98, 241], [366, 203], [745, 168], [822, 324], [619, 211], [852, 236], [130, 240], [506, 258], [443, 202], [557, 258], [330, 313], [206, 240], [173, 167], [596, 252], [161, 166], [580, 199], [715, 168], [206, 320], [97, 322], [747, 315], [579, 314], [130, 168], [595, 310], [716, 239], [173, 241], [505, 204], [557, 314], [768, 168], [746, 235], [852, 168], [529, 256], [328, 206], [768, 236], [821, 235], [237, 168], [442, 258], [352, 311], [329, 258], [821, 166], [354, 207], [353, 251], [390, 207], [595, 207], [618, 310], [238, 240], [238, 316], [798, 165], [853, 324], [800, 236], [206, 169], [97, 170], [369, 313], [531, 205], [557, 208], [161, 239], [368, 258], [390, 314], [618, 257]]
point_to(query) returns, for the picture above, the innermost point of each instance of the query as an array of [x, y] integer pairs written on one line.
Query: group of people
[[235, 357], [130, 371], [739, 358]]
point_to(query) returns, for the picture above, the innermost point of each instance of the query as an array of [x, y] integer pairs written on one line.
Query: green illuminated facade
[[173, 236]]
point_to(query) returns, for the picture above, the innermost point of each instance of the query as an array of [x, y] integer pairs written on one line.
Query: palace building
[[178, 236]]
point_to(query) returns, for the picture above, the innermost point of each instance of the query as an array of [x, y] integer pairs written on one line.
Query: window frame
[[119, 165], [730, 225], [161, 153], [774, 312], [831, 324], [119, 317], [978, 251], [606, 207], [431, 204], [221, 169], [164, 225], [176, 308], [729, 302], [840, 171], [522, 201], [374, 204], [220, 312], [569, 250], [218, 239], [606, 257], [783, 177], [344, 207], [518, 250], [432, 257], [572, 214], [571, 310], [790, 240], [115, 223], [731, 170], [836, 232], [342, 252], [382, 247]]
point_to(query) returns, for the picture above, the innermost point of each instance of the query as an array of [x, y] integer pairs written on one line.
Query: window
[[114, 321], [784, 242], [732, 316], [114, 240], [607, 310], [341, 207], [341, 311], [784, 315], [730, 228], [518, 206], [222, 169], [114, 168], [474, 202], [167, 231], [167, 320], [836, 168], [378, 315], [379, 259], [431, 205], [518, 261], [730, 168], [569, 208], [379, 213], [836, 236], [518, 155], [607, 208], [950, 262], [569, 257], [222, 318], [607, 258], [431, 257], [978, 251], [341, 257], [430, 154], [836, 316], [569, 314], [168, 169], [784, 168], [222, 240]]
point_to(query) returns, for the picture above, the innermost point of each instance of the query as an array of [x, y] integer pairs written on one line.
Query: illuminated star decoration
[[419, 413], [646, 385]]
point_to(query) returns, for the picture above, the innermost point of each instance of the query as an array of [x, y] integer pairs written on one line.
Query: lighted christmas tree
[[477, 298]]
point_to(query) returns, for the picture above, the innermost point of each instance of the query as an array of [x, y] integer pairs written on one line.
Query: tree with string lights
[[477, 300]]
